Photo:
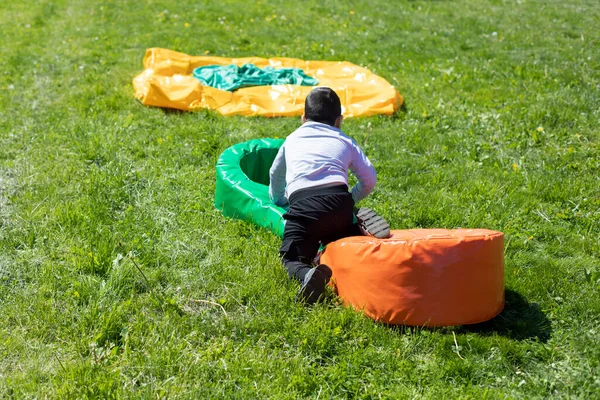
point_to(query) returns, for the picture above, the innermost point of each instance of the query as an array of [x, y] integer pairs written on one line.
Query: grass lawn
[[500, 131]]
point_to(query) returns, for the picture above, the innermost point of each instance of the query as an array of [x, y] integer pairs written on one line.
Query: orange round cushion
[[421, 277]]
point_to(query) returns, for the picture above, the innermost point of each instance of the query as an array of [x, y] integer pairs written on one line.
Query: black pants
[[316, 216]]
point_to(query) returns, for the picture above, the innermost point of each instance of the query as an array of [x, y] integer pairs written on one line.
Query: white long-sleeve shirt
[[315, 155]]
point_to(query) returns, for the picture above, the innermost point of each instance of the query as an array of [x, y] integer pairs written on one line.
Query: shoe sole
[[313, 288], [373, 224]]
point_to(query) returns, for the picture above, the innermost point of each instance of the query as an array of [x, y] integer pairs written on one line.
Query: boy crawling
[[312, 167]]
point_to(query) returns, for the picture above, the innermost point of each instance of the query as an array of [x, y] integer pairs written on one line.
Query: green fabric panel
[[232, 77], [242, 186]]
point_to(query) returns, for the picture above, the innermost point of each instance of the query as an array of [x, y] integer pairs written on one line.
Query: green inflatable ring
[[242, 187]]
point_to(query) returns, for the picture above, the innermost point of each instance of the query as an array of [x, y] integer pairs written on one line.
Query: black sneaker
[[314, 284], [372, 224]]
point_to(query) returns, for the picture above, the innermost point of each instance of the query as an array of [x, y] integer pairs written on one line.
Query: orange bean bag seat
[[421, 277]]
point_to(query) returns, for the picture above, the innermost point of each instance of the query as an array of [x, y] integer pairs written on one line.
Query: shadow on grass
[[520, 320], [172, 111], [400, 113]]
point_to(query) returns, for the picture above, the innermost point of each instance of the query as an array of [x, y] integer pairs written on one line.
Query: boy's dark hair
[[322, 105]]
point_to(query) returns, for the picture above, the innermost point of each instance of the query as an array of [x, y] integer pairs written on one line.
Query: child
[[312, 167]]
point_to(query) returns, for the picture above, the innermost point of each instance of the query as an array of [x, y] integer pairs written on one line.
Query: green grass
[[500, 131]]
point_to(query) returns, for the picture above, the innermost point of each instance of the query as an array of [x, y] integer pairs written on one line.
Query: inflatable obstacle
[[242, 187], [419, 277], [168, 81]]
